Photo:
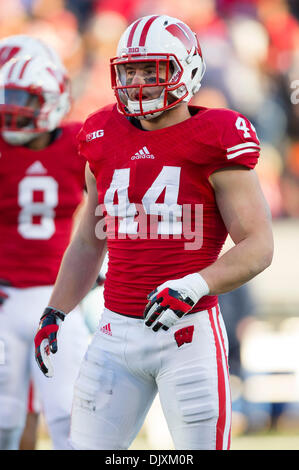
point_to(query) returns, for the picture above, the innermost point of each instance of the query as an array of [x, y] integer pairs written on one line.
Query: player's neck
[[40, 142], [168, 118]]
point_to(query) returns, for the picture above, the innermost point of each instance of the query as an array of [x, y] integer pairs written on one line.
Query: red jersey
[[39, 192], [155, 193]]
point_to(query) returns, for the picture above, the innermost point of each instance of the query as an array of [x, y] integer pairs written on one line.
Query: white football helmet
[[22, 45], [160, 40], [33, 98]]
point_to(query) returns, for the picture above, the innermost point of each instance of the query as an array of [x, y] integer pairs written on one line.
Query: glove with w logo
[[172, 300], [46, 339]]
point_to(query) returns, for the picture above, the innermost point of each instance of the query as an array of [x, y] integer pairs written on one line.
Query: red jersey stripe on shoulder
[[146, 29], [132, 32]]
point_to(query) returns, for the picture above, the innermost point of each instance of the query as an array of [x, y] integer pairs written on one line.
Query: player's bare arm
[[248, 221], [79, 269], [83, 258]]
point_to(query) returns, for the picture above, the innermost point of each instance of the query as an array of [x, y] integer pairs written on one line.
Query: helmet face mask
[[21, 109], [160, 76], [170, 47]]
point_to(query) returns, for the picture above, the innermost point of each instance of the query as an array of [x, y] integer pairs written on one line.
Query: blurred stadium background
[[251, 48]]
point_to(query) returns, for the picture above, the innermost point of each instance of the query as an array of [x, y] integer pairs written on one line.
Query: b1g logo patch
[[94, 135], [185, 335]]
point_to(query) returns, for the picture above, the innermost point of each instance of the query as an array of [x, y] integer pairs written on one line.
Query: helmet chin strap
[[134, 107], [18, 138]]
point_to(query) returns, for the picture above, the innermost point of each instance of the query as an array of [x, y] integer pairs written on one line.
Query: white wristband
[[197, 285]]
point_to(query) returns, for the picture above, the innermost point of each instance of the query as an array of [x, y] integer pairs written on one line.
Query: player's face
[[145, 73]]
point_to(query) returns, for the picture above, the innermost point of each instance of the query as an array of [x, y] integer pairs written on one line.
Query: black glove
[[46, 339]]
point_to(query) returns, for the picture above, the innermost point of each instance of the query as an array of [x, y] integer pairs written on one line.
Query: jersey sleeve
[[89, 139], [83, 150], [236, 141]]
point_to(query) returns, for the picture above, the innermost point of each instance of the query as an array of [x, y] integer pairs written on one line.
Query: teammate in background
[[173, 167], [42, 182], [23, 45]]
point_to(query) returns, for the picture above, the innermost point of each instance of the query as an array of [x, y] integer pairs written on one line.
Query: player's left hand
[[46, 339], [172, 300]]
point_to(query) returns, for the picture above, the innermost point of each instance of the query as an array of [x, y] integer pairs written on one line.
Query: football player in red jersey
[[166, 192], [42, 184]]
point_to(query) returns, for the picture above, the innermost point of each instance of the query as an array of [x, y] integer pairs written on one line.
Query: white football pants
[[19, 319], [127, 363]]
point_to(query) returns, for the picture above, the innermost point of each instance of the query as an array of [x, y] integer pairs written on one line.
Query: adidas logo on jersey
[[142, 153], [106, 329], [36, 168]]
